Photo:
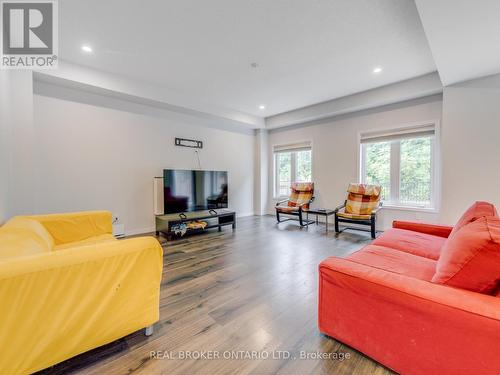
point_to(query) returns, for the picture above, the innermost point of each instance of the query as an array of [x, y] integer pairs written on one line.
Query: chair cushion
[[477, 210], [303, 186], [395, 261], [286, 209], [364, 189], [421, 244], [346, 215], [362, 199], [470, 258], [88, 241], [301, 194]]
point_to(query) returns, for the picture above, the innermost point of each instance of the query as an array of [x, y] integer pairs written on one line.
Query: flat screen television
[[194, 190]]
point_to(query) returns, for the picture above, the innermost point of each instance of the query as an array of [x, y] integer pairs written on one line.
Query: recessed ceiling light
[[378, 70], [262, 107], [86, 48]]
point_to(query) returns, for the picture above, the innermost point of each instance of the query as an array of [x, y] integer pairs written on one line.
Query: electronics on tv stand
[[180, 224]]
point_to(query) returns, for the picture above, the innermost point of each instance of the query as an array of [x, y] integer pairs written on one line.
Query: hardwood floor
[[254, 289]]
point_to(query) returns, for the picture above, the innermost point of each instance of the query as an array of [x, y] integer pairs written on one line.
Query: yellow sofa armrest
[[76, 226], [56, 305]]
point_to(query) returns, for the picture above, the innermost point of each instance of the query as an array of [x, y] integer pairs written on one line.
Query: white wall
[[106, 83], [16, 142], [5, 91], [102, 153], [335, 151], [470, 145], [86, 151], [261, 173]]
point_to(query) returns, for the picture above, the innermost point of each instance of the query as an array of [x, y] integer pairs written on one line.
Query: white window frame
[[395, 167], [293, 148]]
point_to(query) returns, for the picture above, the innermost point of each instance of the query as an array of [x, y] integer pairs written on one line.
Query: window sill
[[429, 210]]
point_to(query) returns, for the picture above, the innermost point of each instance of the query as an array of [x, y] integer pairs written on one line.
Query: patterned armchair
[[300, 198], [361, 206]]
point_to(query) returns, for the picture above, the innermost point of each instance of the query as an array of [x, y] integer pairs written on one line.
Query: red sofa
[[421, 298]]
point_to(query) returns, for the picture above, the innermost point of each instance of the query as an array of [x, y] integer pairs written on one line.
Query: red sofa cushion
[[395, 261], [477, 210], [470, 259], [421, 244]]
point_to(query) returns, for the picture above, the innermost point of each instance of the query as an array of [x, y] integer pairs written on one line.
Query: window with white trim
[[292, 163], [403, 162]]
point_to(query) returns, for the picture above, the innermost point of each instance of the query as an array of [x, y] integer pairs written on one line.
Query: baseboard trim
[[134, 232]]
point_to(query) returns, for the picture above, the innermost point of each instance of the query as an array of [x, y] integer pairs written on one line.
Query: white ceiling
[[308, 51], [464, 36]]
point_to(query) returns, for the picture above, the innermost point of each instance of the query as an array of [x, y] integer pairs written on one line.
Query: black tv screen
[[194, 190]]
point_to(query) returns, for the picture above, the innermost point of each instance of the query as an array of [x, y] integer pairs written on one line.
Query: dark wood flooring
[[251, 292]]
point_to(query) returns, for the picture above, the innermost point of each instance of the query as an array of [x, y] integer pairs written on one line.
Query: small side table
[[320, 212]]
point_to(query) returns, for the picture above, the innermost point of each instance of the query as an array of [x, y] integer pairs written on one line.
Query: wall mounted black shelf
[[191, 143]]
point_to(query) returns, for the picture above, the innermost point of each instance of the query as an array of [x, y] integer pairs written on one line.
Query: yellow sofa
[[68, 286]]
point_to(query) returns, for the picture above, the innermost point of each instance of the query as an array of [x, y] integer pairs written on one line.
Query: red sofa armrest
[[436, 230], [411, 326]]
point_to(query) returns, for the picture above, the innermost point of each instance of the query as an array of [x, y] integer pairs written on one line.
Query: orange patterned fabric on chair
[[361, 206], [342, 213], [362, 199], [301, 194]]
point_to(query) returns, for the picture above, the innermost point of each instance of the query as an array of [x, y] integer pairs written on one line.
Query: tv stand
[[166, 224]]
